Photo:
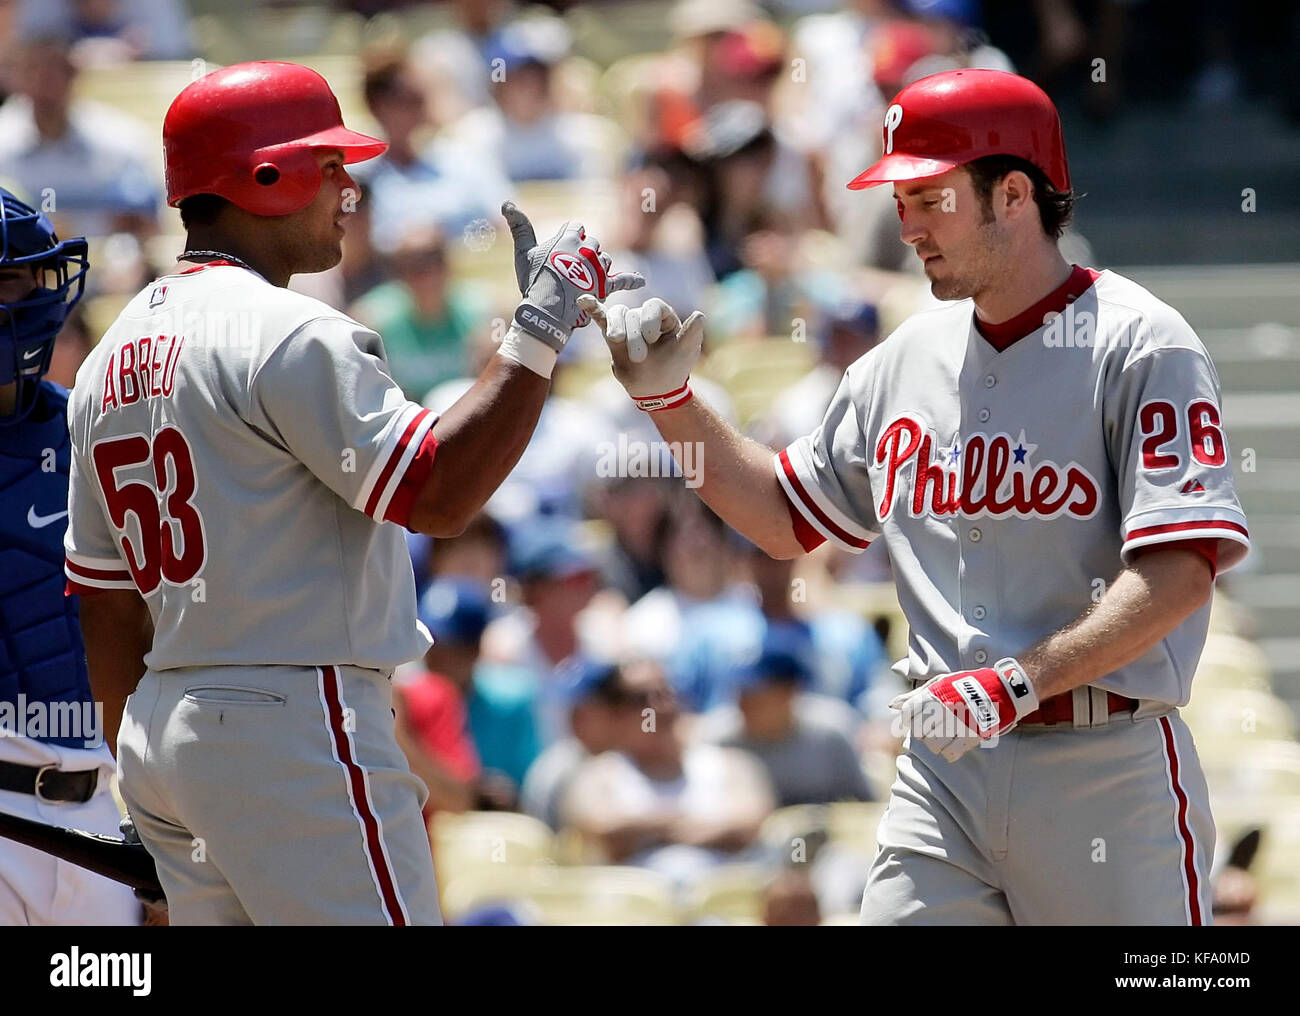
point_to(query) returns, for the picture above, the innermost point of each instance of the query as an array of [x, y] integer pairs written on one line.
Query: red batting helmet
[[249, 133], [949, 119]]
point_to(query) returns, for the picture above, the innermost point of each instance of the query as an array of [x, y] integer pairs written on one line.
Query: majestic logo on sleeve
[[993, 475]]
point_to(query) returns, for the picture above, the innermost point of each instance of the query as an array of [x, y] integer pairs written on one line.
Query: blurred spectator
[[1235, 889], [635, 508], [479, 553], [808, 759], [661, 237], [740, 159], [847, 655], [557, 577], [658, 803], [112, 31], [71, 347], [473, 717], [415, 183], [79, 161], [790, 901], [425, 319], [771, 291], [702, 621], [849, 329], [455, 59], [700, 74], [524, 132], [590, 689]]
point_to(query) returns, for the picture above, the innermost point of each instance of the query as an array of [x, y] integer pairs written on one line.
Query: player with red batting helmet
[[1044, 457], [243, 466]]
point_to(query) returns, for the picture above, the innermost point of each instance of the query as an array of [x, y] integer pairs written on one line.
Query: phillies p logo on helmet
[[893, 117]]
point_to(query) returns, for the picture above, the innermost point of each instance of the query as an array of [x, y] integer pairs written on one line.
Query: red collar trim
[[209, 264], [1001, 336]]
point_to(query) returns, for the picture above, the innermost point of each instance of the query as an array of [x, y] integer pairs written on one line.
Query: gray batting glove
[[552, 275], [653, 350]]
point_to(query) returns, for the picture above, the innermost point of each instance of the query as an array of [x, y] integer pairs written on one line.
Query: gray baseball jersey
[[240, 456], [1009, 486]]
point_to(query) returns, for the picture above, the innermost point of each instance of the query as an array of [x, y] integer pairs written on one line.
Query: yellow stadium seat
[[1231, 662], [1227, 722], [596, 895], [1260, 770], [854, 824], [491, 840], [786, 829], [732, 892], [142, 89], [550, 203]]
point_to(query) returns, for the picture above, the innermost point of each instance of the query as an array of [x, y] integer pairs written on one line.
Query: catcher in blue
[[54, 764], [1043, 456]]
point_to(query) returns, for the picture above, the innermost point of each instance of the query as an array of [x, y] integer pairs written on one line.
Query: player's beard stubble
[[973, 265]]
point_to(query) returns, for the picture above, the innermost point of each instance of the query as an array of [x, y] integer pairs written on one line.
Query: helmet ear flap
[[284, 180]]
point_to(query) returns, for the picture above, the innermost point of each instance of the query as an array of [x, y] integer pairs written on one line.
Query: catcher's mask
[[28, 327]]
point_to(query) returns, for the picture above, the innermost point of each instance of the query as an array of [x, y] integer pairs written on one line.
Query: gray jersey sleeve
[[93, 556], [326, 396], [1165, 435], [825, 474]]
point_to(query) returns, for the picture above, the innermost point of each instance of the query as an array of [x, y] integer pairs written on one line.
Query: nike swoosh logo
[[41, 521], [32, 354]]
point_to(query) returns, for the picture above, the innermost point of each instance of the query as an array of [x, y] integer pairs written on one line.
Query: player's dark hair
[[1055, 208], [201, 210]]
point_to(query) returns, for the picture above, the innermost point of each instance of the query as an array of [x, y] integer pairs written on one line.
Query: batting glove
[[552, 275], [952, 713], [652, 349]]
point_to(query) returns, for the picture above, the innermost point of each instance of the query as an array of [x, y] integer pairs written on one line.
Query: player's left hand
[[952, 713], [552, 275]]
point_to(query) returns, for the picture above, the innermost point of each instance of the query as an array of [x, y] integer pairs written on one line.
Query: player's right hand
[[552, 275], [653, 350]]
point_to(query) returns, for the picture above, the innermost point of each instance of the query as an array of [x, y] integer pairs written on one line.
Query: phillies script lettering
[[990, 475]]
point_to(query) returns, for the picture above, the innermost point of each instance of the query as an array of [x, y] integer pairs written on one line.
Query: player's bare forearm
[[1144, 603], [737, 479], [117, 631], [480, 439]]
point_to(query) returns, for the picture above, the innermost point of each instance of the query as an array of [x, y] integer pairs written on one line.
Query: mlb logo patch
[[158, 295]]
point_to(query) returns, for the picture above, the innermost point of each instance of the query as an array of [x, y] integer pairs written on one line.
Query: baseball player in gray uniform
[[1045, 459], [242, 468]]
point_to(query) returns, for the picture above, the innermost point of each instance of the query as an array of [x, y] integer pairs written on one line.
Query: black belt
[[49, 783]]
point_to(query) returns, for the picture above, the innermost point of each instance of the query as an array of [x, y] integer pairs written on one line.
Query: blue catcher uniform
[[54, 765]]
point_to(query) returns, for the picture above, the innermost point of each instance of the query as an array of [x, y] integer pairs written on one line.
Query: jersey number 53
[[172, 544]]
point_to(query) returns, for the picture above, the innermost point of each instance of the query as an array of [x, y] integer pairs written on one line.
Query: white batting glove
[[653, 350]]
